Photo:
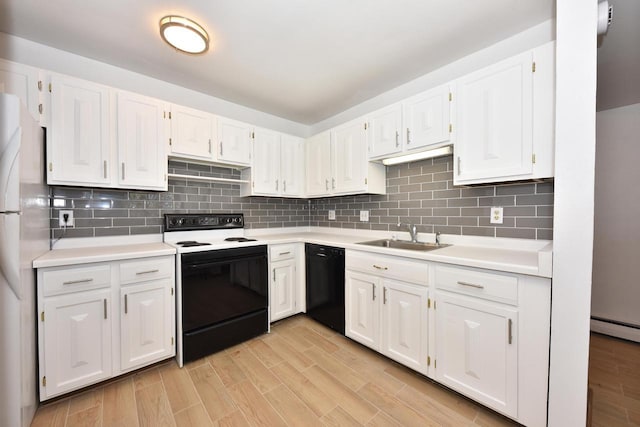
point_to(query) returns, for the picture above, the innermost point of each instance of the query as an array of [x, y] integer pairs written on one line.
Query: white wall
[[616, 290], [528, 39], [573, 210], [40, 56]]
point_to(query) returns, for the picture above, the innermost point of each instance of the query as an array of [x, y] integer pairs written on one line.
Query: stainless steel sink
[[403, 244]]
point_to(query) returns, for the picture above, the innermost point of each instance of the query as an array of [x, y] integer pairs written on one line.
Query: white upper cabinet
[[265, 171], [350, 157], [141, 132], [24, 82], [192, 134], [495, 120], [292, 165], [385, 128], [234, 142], [416, 123], [318, 164], [78, 143], [427, 118], [277, 167]]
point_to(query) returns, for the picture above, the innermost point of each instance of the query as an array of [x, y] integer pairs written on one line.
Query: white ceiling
[[303, 60], [619, 58]]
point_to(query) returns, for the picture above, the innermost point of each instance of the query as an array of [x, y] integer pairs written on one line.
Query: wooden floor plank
[[153, 407], [86, 400], [340, 371], [234, 419], [339, 418], [265, 353], [91, 417], [214, 395], [194, 416], [51, 415], [398, 410], [292, 409], [316, 399], [255, 371], [288, 352], [179, 387], [254, 406], [228, 371], [119, 405]]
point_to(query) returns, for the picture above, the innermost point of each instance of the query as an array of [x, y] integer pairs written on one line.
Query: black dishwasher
[[325, 285]]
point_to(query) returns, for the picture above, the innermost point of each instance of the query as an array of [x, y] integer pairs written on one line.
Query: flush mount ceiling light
[[184, 34]]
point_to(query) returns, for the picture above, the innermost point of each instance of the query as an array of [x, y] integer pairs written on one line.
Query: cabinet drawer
[[405, 269], [141, 270], [281, 252], [74, 279], [479, 283]]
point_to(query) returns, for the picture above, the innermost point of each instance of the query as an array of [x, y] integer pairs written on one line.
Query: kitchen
[[144, 206]]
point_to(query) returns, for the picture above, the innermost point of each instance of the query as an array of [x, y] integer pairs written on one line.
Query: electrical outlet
[[69, 222], [364, 216], [332, 215], [496, 215]]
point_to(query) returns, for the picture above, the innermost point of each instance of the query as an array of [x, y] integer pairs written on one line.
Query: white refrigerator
[[24, 235]]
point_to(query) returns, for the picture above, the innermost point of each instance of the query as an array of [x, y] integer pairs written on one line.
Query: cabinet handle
[[75, 282], [408, 136], [322, 255], [380, 267], [326, 184], [126, 304], [471, 285], [104, 307], [397, 139], [274, 275], [284, 185], [384, 294], [374, 291], [458, 165], [104, 168], [147, 272], [333, 183], [510, 331], [277, 185], [221, 148], [123, 171], [209, 146], [285, 253]]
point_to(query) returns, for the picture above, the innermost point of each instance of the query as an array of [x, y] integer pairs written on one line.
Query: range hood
[[412, 157]]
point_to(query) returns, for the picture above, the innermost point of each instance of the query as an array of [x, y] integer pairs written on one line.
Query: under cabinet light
[[436, 152], [184, 34]]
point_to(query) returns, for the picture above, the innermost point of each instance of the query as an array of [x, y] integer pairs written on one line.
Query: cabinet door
[[292, 165], [476, 345], [362, 309], [265, 171], [22, 81], [234, 142], [349, 155], [283, 289], [78, 146], [495, 122], [77, 341], [318, 164], [385, 127], [141, 147], [146, 325], [427, 118], [405, 323], [192, 133]]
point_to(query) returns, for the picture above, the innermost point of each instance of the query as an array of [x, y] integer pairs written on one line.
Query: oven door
[[223, 284]]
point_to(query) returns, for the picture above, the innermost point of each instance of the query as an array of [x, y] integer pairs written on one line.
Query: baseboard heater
[[615, 328]]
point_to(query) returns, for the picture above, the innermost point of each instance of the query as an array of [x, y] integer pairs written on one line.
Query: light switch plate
[[332, 215], [496, 215], [364, 216]]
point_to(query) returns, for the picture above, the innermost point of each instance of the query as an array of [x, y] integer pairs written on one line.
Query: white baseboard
[[619, 331]]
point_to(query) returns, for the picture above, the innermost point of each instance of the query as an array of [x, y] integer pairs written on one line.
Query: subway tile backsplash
[[420, 192]]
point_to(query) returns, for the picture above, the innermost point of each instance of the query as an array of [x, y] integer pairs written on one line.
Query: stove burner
[[190, 243], [239, 239]]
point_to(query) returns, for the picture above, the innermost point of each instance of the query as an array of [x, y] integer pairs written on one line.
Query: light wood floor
[[614, 377], [302, 374]]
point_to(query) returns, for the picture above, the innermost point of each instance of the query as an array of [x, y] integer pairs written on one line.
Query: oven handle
[[226, 260]]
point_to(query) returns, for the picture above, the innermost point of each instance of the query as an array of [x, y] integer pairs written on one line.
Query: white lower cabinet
[[77, 338], [477, 350], [385, 313], [145, 325], [285, 281], [92, 326]]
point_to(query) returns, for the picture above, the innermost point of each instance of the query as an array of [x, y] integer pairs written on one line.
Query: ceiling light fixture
[[184, 34], [437, 152]]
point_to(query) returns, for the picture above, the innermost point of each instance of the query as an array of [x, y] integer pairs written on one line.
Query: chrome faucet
[[413, 231], [438, 238]]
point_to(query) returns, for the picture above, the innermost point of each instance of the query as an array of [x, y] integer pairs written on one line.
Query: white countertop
[[84, 255], [523, 256]]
